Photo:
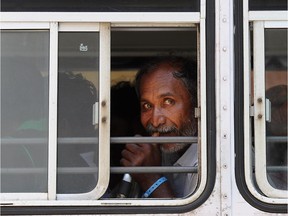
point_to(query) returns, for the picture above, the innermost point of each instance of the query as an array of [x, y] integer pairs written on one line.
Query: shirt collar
[[189, 158]]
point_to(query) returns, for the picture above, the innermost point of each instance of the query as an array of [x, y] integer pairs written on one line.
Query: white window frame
[[40, 195], [260, 108], [260, 20], [116, 20], [104, 110]]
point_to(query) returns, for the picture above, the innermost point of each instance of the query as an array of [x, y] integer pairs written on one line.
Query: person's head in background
[[167, 90], [278, 98], [277, 151], [125, 121], [125, 116], [125, 110], [278, 125], [76, 96]]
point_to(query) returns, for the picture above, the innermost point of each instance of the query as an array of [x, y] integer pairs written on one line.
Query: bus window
[[132, 48], [276, 92], [90, 56], [31, 87], [24, 113], [77, 93], [265, 104]]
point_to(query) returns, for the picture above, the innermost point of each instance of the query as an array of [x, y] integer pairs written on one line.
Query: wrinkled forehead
[[164, 66], [158, 75], [161, 82]]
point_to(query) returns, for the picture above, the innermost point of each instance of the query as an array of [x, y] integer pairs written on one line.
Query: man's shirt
[[184, 184]]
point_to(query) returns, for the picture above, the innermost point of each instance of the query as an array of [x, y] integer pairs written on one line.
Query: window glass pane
[[77, 93], [102, 6], [131, 48], [267, 5], [24, 110], [276, 92]]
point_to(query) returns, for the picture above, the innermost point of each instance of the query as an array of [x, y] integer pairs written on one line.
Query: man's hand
[[141, 155], [146, 155]]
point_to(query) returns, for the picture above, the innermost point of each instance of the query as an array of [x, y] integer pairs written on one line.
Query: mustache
[[187, 130], [162, 129]]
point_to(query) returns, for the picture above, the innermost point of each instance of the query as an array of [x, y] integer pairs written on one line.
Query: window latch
[[267, 110], [197, 112], [95, 118], [251, 111]]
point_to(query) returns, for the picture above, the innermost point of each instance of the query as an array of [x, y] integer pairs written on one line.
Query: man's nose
[[157, 118]]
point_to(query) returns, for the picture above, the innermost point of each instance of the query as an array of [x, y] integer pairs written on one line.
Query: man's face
[[165, 106]]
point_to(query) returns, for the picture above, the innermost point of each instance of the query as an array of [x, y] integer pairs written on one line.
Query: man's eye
[[169, 101], [146, 106]]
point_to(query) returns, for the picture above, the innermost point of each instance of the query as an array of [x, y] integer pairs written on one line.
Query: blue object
[[154, 187]]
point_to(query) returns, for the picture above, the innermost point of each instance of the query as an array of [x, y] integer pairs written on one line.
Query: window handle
[[251, 110], [197, 112], [95, 117], [268, 110]]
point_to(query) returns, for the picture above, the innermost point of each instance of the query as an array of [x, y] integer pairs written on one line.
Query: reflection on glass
[[276, 92], [77, 93], [24, 110]]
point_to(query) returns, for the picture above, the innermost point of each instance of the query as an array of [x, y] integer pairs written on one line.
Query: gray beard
[[169, 159], [186, 130]]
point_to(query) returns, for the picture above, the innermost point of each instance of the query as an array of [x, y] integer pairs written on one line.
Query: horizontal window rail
[[92, 170], [120, 140], [93, 140], [23, 171], [162, 169], [271, 169], [277, 169], [154, 139], [280, 139], [275, 139], [120, 170]]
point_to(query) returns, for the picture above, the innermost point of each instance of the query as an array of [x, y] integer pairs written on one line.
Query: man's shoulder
[[190, 157]]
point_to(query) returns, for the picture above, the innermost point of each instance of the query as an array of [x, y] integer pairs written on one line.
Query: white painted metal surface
[[114, 17], [104, 110], [225, 198], [267, 15], [225, 105], [249, 154], [79, 22], [53, 107], [51, 164], [259, 115]]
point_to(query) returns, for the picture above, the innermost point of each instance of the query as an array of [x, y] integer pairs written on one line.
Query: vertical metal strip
[[104, 109], [203, 106], [104, 68], [225, 101], [246, 99], [259, 102], [52, 133]]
